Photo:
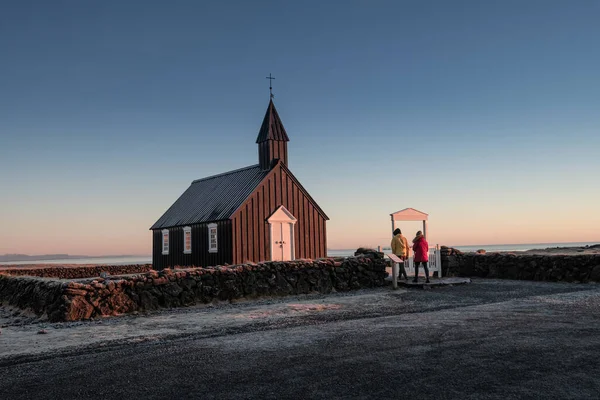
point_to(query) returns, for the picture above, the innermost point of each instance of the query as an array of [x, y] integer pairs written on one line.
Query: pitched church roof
[[272, 127], [213, 198], [218, 197]]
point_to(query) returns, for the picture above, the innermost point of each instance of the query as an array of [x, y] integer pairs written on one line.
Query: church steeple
[[272, 139]]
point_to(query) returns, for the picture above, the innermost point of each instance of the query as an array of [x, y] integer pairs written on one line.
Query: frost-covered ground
[[493, 339]]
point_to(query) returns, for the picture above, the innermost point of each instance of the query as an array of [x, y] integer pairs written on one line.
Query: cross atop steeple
[[270, 85]]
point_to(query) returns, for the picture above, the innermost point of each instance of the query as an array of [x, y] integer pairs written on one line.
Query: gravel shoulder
[[20, 330], [489, 339]]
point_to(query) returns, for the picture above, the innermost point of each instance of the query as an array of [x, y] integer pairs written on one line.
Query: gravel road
[[490, 339]]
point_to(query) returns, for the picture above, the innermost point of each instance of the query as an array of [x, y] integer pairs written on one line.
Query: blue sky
[[483, 114]]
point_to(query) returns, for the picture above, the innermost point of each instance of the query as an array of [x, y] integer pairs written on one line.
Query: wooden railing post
[[395, 269]]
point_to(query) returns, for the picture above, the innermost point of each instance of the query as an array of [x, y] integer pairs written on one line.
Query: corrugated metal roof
[[213, 198], [272, 127]]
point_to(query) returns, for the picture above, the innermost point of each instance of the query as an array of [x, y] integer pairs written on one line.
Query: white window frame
[[211, 248], [165, 249], [187, 231]]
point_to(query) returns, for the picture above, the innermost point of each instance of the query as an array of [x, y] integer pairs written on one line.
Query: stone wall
[[92, 298], [74, 271], [553, 268], [42, 296], [451, 261]]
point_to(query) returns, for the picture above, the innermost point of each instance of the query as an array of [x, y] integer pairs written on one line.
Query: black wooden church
[[256, 213]]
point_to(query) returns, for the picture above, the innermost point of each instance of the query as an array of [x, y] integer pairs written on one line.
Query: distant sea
[[486, 247], [125, 260]]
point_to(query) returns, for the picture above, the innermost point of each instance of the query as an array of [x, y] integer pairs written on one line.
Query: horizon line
[[150, 255]]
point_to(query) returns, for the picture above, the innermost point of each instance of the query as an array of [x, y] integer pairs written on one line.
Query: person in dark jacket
[[421, 250]]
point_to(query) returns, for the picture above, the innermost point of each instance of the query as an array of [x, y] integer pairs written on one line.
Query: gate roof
[[409, 214]]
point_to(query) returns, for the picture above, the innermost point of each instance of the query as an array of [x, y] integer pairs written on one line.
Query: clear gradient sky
[[484, 114]]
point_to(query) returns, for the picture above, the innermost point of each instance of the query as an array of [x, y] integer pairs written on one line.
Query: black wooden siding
[[251, 240], [272, 150], [200, 257]]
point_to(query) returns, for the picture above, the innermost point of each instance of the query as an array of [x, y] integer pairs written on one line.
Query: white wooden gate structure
[[435, 257], [411, 214]]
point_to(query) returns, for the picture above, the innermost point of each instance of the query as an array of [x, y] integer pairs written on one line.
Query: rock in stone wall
[[451, 259], [91, 298], [554, 268], [74, 271], [370, 253], [42, 296]]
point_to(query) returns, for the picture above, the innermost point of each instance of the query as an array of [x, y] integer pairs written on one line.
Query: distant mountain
[[25, 257]]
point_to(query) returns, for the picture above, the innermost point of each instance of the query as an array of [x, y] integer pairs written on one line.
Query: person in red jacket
[[421, 250]]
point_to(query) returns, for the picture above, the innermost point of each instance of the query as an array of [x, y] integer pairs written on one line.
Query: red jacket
[[421, 249]]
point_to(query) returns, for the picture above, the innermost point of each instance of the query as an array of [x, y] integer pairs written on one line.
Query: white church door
[[282, 223]]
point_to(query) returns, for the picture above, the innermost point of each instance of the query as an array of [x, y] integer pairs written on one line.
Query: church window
[[165, 241], [212, 238], [187, 240]]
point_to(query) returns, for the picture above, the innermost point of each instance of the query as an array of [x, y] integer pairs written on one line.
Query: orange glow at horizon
[[134, 240]]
